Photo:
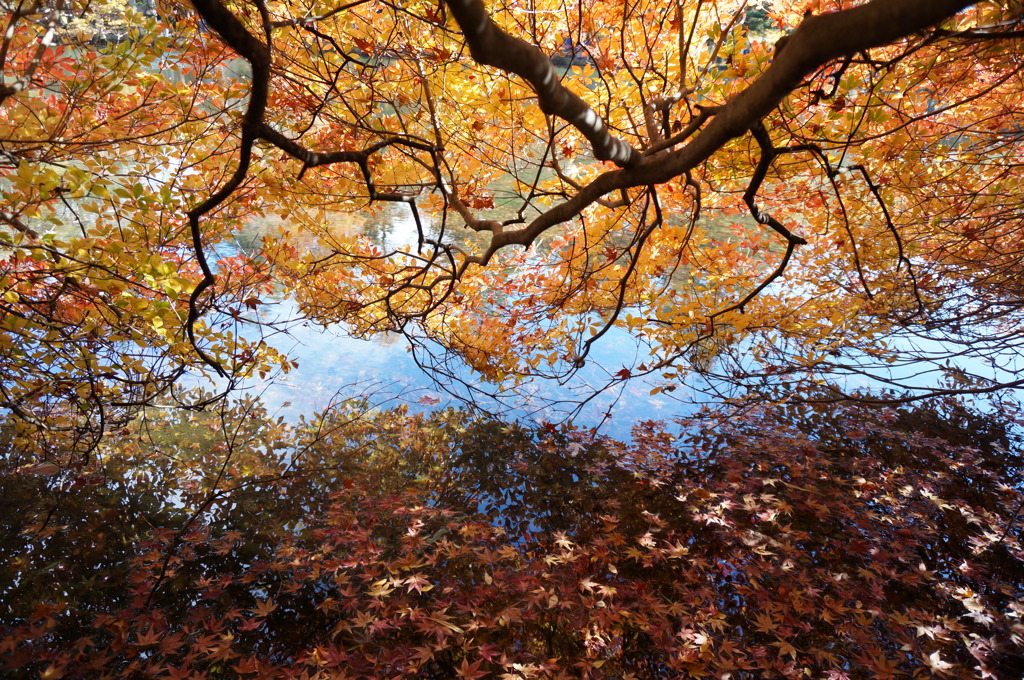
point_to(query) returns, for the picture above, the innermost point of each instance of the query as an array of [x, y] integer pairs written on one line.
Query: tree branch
[[257, 53], [491, 46], [817, 41]]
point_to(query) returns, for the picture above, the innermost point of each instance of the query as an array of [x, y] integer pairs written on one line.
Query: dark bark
[[491, 46], [817, 41]]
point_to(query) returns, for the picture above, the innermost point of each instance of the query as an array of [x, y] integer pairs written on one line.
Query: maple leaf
[[264, 608], [246, 666], [785, 648], [179, 673], [487, 651], [883, 666], [418, 582], [471, 671], [562, 541], [936, 663]]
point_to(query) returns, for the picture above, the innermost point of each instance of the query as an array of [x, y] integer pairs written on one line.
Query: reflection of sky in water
[[334, 365]]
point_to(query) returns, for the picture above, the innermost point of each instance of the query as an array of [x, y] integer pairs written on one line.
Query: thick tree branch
[[817, 41], [491, 46], [257, 53]]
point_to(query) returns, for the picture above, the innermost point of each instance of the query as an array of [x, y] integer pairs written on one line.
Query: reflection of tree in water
[[838, 533]]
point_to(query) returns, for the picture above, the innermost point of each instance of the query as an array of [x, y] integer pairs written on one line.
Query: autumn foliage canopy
[[793, 207], [764, 194]]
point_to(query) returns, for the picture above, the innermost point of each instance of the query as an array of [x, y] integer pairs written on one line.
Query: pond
[[333, 365]]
